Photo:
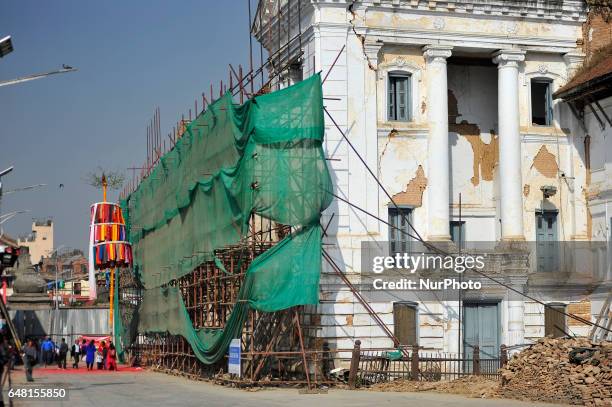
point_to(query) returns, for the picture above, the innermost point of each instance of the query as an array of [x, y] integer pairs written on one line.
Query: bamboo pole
[[111, 300]]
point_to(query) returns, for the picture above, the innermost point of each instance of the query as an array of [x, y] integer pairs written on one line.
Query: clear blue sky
[[131, 57]]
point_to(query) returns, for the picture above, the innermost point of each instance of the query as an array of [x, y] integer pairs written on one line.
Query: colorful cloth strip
[[107, 213], [109, 232], [119, 254]]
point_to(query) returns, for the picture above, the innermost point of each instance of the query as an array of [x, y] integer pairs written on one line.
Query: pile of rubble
[[573, 371], [469, 386]]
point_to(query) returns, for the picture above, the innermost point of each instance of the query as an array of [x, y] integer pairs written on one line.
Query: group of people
[[103, 356], [52, 352]]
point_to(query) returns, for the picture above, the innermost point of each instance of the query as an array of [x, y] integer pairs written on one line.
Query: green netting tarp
[[117, 323], [284, 276], [262, 157]]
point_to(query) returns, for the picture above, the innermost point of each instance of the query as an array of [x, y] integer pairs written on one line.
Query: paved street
[[126, 389]]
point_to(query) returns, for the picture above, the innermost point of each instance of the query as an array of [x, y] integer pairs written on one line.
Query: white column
[[516, 322], [509, 144], [451, 330], [370, 126], [437, 146]]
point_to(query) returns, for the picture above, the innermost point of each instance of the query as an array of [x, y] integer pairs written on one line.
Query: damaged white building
[[451, 105]]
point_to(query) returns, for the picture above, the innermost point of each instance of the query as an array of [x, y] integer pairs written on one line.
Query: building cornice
[[420, 36], [562, 10]]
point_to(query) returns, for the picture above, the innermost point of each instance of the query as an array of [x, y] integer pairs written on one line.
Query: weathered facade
[[449, 104], [589, 93]]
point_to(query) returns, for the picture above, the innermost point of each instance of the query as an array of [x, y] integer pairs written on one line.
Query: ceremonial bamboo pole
[[104, 185], [111, 299]]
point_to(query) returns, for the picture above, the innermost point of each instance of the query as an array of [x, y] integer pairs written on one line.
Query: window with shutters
[[541, 102], [554, 321], [399, 239], [547, 246], [405, 321], [457, 232], [398, 98]]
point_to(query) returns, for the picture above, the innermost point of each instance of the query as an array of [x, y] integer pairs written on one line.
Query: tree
[[101, 178]]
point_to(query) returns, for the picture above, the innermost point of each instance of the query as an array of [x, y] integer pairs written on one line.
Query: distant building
[[69, 268], [71, 263], [39, 241], [76, 291]]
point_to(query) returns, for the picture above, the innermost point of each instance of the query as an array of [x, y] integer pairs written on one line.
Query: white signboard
[[234, 357]]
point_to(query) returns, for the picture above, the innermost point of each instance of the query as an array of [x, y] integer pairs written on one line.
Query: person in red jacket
[[111, 360], [100, 355]]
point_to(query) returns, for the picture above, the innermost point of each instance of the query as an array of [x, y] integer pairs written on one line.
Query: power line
[[28, 78], [434, 248]]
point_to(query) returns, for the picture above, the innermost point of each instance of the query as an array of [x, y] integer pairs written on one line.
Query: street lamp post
[[57, 264], [11, 215], [4, 218], [56, 291], [36, 76], [6, 47], [3, 173]]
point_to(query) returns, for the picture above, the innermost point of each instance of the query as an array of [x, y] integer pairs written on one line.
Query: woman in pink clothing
[[111, 359]]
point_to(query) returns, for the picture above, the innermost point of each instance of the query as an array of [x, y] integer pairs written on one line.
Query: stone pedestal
[[29, 288]]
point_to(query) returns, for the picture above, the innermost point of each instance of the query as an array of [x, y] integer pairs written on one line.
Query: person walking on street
[[29, 359], [100, 356], [63, 352], [5, 364], [48, 347], [90, 352], [75, 353], [104, 355], [112, 357]]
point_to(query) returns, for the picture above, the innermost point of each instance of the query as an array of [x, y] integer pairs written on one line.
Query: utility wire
[[474, 270], [432, 247]]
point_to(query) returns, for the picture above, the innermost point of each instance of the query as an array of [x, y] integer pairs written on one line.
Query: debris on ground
[[566, 370], [562, 370], [470, 386]]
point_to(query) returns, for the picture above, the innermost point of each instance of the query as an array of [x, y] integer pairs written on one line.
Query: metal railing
[[370, 366]]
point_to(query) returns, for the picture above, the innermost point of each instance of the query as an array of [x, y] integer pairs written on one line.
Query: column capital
[[573, 57], [371, 48], [573, 61], [437, 53], [508, 57]]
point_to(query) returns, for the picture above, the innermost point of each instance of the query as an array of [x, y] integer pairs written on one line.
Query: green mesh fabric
[[262, 157], [117, 324], [284, 276]]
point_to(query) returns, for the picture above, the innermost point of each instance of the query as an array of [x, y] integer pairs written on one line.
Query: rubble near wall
[[573, 371]]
